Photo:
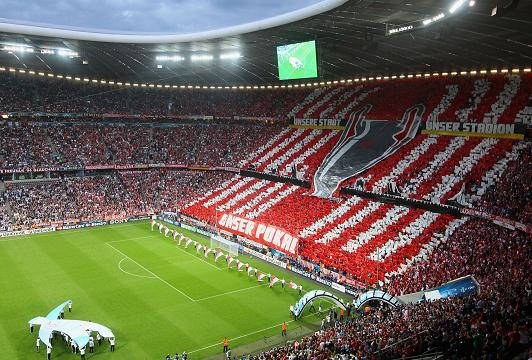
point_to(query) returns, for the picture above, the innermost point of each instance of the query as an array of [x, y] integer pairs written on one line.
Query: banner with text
[[508, 131], [333, 124], [265, 234]]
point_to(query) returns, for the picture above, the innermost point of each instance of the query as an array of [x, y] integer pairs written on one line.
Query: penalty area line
[[151, 272], [198, 258], [230, 292]]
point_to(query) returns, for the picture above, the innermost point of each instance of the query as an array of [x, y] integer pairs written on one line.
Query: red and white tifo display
[[265, 234]]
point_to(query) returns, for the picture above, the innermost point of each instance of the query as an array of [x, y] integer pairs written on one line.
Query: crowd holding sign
[[264, 234]]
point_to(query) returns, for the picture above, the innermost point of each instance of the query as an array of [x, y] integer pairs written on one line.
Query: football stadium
[[316, 179]]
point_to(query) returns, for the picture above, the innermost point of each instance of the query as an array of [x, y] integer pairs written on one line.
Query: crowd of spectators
[[511, 197], [100, 197], [76, 145], [495, 324], [488, 99], [66, 199], [158, 191], [26, 93]]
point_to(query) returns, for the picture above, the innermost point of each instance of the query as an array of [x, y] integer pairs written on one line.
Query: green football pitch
[[156, 297]]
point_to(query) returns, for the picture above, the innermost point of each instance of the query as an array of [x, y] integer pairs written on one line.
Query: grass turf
[[156, 298]]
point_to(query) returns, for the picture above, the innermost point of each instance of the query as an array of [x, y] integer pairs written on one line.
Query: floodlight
[[17, 48], [230, 56], [433, 19], [204, 57], [67, 52], [169, 58], [458, 4]]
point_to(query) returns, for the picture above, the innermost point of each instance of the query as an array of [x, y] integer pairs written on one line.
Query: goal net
[[221, 243]]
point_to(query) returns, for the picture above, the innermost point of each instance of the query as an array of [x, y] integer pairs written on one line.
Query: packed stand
[[100, 197], [364, 238], [511, 197], [158, 191], [494, 323], [485, 99], [29, 145], [29, 93]]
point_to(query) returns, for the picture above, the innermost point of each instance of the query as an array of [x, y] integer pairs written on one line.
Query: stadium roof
[[354, 38]]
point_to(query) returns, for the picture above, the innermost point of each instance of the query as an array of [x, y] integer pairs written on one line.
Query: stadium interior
[[403, 166]]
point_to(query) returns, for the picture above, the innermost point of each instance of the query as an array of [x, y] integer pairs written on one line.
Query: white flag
[[207, 251], [273, 280], [229, 261], [239, 265], [218, 255]]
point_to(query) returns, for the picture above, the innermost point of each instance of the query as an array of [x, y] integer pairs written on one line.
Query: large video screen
[[297, 61]]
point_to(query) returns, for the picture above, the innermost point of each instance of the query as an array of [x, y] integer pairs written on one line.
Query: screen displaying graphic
[[297, 61]]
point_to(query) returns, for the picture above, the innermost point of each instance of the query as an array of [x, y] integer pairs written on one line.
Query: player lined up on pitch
[[204, 250], [331, 318], [184, 356]]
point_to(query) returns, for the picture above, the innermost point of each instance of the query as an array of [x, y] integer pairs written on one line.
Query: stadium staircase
[[55, 151], [7, 206], [108, 152]]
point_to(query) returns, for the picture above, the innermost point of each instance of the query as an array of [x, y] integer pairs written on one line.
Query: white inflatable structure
[[78, 330]]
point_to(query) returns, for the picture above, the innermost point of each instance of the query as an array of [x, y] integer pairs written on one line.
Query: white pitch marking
[[230, 292], [199, 258], [249, 334], [151, 272], [127, 272], [186, 252]]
